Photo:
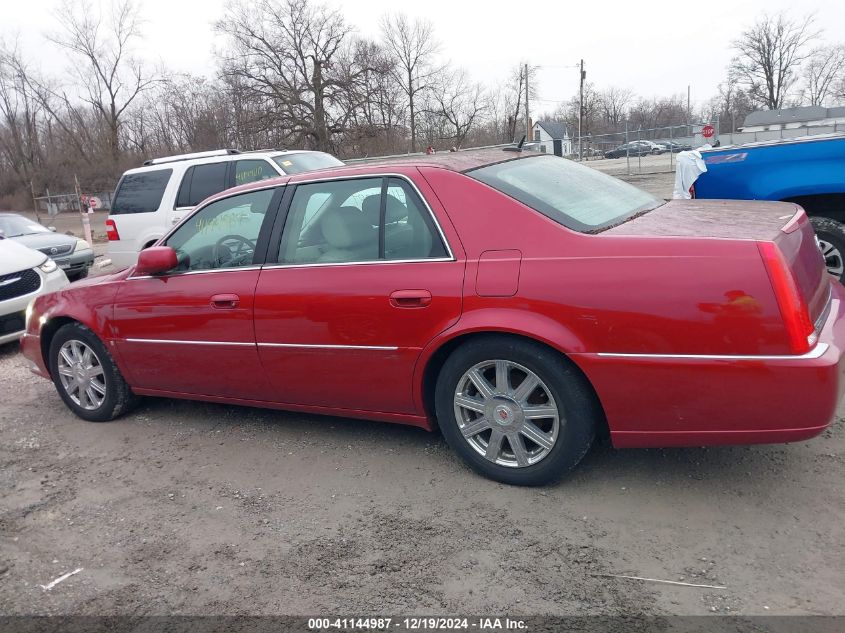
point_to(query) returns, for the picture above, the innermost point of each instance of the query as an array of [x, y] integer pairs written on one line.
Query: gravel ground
[[194, 508]]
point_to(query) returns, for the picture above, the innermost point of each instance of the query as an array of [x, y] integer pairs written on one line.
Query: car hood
[[42, 240], [15, 257]]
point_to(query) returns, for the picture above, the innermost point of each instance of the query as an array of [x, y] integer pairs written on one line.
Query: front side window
[[200, 182], [141, 192], [578, 197], [358, 220], [222, 234], [253, 170]]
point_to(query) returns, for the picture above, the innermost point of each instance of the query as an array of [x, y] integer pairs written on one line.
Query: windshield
[[305, 161], [15, 226], [578, 197]]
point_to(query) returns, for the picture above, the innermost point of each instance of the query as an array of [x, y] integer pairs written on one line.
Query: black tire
[[577, 407], [833, 233], [118, 397]]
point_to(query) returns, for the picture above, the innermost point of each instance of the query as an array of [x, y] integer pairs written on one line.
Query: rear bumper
[[663, 400]]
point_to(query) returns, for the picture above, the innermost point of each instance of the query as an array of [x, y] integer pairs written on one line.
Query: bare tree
[[460, 102], [20, 116], [107, 76], [292, 60], [770, 54], [614, 103], [517, 81], [731, 104], [824, 67], [413, 47]]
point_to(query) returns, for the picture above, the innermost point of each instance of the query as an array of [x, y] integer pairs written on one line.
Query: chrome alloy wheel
[[506, 413], [832, 258], [81, 375]]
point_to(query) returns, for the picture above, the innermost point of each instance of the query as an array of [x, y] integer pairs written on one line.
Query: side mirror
[[156, 260], [52, 228]]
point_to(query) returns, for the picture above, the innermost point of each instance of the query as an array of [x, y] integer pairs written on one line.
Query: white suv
[[150, 200]]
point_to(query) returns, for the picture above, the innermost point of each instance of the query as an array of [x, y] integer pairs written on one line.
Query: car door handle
[[410, 298], [225, 302]]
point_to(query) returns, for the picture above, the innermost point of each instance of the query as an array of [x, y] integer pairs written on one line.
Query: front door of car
[[364, 279], [190, 330]]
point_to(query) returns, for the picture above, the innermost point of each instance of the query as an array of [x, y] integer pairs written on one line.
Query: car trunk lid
[[784, 224]]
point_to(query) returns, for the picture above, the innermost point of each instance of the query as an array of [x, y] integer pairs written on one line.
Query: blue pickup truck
[[809, 171]]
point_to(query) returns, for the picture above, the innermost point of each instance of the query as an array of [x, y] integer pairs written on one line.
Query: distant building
[[553, 138], [792, 118]]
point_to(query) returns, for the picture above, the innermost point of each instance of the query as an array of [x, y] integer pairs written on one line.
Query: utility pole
[[83, 214], [689, 110], [528, 136], [581, 113]]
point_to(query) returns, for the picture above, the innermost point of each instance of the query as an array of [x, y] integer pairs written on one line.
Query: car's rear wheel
[[86, 376], [831, 236], [514, 410]]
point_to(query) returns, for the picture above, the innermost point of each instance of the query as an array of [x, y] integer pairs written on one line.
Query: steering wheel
[[233, 250]]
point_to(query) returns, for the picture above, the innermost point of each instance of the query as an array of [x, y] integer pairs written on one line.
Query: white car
[[24, 275], [151, 200]]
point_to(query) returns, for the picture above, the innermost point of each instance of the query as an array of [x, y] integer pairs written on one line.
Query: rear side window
[[305, 161], [358, 220], [200, 182], [578, 197], [140, 193]]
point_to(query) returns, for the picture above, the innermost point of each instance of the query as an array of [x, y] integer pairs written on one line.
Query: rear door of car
[[352, 292]]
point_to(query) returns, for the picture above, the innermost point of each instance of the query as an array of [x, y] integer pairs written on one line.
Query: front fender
[[89, 302]]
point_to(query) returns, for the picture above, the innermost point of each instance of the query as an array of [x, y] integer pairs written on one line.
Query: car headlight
[[81, 245], [48, 267]]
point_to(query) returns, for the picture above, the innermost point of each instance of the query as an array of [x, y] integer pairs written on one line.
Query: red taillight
[[111, 231], [793, 307]]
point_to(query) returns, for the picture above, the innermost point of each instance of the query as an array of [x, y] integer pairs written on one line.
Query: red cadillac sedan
[[522, 303]]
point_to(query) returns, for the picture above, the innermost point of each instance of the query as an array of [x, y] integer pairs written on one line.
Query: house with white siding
[[553, 137]]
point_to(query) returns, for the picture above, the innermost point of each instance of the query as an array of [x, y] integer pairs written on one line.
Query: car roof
[[204, 160], [461, 161]]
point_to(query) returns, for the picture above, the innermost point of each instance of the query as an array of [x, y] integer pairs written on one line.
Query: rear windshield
[[140, 193], [578, 197], [306, 161]]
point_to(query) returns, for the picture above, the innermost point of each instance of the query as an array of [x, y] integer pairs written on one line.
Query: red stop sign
[[707, 131]]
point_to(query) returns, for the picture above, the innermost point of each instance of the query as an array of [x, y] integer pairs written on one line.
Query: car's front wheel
[[86, 376], [515, 410]]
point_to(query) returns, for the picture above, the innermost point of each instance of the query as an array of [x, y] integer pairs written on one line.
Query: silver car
[[71, 254]]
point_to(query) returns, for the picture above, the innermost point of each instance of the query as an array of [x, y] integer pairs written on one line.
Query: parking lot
[[197, 508]]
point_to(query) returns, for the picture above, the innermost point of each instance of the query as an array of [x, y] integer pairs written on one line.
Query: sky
[[654, 47]]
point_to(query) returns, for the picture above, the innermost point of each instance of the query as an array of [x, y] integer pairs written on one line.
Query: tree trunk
[[411, 93], [321, 134]]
